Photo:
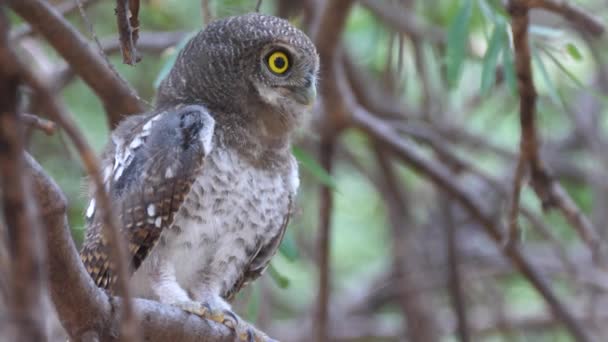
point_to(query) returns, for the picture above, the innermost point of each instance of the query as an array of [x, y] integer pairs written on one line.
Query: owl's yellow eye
[[278, 62]]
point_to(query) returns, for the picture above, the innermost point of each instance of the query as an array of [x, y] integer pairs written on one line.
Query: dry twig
[[117, 97], [546, 187], [48, 127], [127, 12]]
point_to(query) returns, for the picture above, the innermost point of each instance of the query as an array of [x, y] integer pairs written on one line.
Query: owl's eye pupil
[[278, 62]]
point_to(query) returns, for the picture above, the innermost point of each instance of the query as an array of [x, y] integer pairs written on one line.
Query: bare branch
[[441, 177], [48, 127], [64, 8], [573, 13], [91, 163], [548, 190], [454, 275], [27, 275], [118, 98], [421, 325], [86, 311], [127, 12]]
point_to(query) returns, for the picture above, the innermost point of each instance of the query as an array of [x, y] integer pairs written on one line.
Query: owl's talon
[[244, 331]]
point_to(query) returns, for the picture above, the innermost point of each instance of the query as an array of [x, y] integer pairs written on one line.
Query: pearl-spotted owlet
[[204, 183]]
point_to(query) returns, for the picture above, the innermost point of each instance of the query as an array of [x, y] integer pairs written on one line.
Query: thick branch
[[27, 276], [86, 311], [119, 98], [118, 251]]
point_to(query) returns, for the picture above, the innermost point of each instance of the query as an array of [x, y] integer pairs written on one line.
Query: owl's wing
[[260, 260], [149, 171]]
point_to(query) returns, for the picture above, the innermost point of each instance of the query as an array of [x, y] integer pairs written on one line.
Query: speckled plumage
[[204, 183]]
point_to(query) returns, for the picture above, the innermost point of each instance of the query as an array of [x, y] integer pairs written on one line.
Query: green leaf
[[281, 280], [553, 94], [490, 60], [311, 165], [288, 247], [547, 32], [499, 10], [457, 42], [509, 68], [564, 69], [164, 71], [574, 52]]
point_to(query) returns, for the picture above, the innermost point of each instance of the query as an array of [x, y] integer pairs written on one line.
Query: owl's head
[[246, 68]]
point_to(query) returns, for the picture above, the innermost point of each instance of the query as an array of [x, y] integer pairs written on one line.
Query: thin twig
[[65, 8], [326, 155], [443, 178], [127, 12], [454, 280], [258, 5], [573, 13], [546, 187], [100, 47], [117, 97], [421, 325], [48, 127]]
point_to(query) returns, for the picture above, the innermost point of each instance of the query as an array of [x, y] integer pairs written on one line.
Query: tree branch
[[86, 311], [127, 12], [27, 275], [573, 13], [118, 98]]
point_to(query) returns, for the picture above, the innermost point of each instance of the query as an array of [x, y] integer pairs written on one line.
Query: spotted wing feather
[[151, 165]]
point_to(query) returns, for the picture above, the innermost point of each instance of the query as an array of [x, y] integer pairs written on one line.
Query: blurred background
[[406, 261]]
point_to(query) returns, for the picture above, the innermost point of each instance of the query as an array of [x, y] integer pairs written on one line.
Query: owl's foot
[[243, 330]]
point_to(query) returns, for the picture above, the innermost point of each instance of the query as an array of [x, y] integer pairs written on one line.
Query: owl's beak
[[305, 95]]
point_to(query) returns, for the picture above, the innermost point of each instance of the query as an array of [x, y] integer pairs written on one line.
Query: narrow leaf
[[574, 52], [490, 60], [563, 68], [311, 165], [509, 68], [281, 280], [457, 42], [553, 94]]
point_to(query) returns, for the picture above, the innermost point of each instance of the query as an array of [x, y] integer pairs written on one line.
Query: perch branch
[[86, 311], [118, 252]]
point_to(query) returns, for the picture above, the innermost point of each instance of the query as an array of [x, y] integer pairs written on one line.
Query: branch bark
[[86, 312], [24, 237], [118, 98]]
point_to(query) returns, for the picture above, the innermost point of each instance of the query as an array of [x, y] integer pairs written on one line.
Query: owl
[[204, 183]]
